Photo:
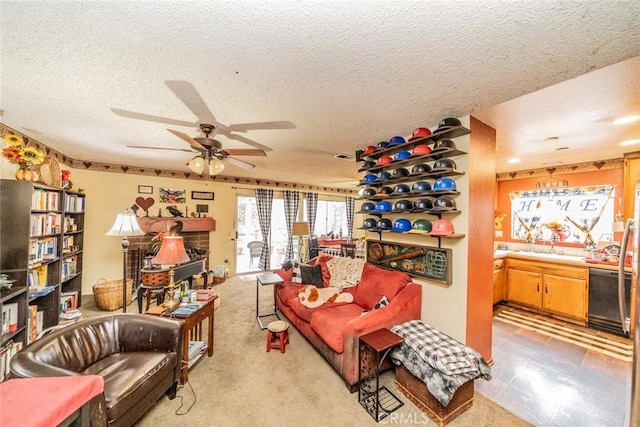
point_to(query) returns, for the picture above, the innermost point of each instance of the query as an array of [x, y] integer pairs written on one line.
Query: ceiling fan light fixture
[[196, 165], [215, 167]]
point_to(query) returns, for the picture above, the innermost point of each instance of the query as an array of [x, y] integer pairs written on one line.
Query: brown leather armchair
[[138, 356]]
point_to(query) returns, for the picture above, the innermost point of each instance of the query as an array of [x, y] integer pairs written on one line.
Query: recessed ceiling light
[[625, 120], [514, 160], [630, 142]]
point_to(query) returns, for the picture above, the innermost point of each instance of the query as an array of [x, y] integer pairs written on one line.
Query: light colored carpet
[[243, 385]]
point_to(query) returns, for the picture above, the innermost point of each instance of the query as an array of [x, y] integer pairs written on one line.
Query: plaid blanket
[[441, 362]]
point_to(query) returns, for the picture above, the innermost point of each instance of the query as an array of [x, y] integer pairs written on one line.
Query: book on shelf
[[40, 291], [33, 323], [72, 314], [68, 300], [9, 317]]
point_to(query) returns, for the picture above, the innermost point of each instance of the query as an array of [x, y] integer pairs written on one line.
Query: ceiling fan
[[190, 97], [210, 151]]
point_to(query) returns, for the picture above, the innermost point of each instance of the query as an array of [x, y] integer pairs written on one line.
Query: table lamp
[[301, 229], [171, 253], [125, 225]]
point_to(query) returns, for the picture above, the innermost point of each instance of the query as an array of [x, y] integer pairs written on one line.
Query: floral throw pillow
[[345, 272]]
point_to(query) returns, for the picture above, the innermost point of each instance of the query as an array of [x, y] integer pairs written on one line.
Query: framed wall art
[[172, 195], [202, 195], [425, 262], [145, 189]]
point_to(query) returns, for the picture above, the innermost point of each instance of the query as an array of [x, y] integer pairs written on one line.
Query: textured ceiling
[[345, 74]]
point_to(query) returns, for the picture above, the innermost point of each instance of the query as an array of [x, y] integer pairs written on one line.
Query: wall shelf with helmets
[[396, 174]]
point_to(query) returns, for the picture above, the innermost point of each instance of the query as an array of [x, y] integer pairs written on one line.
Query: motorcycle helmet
[[369, 223], [448, 123], [384, 224], [401, 189], [368, 192], [368, 164], [420, 187], [443, 146], [420, 133], [420, 169], [401, 225], [382, 145], [402, 206], [382, 207], [421, 226], [442, 227], [442, 185], [421, 150], [444, 204], [384, 191], [366, 207], [422, 205], [444, 165]]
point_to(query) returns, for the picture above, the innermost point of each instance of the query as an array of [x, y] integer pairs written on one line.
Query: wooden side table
[[192, 332], [265, 279], [374, 347]]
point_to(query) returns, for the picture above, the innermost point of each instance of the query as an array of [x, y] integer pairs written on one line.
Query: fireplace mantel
[[150, 224]]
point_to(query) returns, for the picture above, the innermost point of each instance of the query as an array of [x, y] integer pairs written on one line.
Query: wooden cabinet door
[[524, 287], [565, 295], [498, 282]]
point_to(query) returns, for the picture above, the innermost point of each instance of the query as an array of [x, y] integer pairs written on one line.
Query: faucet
[[553, 239]]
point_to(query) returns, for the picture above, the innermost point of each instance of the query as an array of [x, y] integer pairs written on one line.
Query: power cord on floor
[[182, 401]]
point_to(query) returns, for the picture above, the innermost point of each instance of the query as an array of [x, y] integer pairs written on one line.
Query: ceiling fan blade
[[151, 118], [240, 163], [160, 148], [192, 142], [190, 97], [244, 127], [247, 141], [244, 152]]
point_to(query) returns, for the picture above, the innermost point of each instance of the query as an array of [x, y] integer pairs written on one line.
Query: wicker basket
[[108, 293], [417, 391]]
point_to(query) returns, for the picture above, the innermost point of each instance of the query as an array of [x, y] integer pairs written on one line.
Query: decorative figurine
[[174, 211]]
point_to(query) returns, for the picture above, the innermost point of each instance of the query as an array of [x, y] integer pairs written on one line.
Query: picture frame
[[202, 195], [172, 195], [145, 189]]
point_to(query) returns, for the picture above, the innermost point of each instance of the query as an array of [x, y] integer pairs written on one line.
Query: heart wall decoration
[[145, 203]]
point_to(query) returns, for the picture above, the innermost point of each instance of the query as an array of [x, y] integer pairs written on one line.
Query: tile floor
[[549, 382]]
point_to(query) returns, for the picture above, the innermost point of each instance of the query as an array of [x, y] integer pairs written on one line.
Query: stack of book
[[196, 349]]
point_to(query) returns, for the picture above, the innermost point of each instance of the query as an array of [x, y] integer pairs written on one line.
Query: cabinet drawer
[[498, 264], [550, 268]]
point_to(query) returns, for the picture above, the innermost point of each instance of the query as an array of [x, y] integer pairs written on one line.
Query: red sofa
[[334, 328]]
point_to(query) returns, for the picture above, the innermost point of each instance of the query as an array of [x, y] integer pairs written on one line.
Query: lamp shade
[[300, 229], [171, 252], [215, 167], [196, 164], [126, 224]]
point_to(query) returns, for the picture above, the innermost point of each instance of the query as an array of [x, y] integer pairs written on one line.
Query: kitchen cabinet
[[555, 289], [498, 281]]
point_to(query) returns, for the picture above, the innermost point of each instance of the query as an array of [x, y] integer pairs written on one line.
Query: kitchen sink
[[541, 255]]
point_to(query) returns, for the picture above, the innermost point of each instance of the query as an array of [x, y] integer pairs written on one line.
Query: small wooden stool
[[278, 335]]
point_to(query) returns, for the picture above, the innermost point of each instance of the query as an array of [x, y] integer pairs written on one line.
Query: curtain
[[291, 202], [350, 202], [264, 201], [312, 208]]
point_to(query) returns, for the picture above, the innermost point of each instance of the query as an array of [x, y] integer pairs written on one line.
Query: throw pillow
[[345, 272], [322, 260], [307, 274], [377, 282], [384, 301]]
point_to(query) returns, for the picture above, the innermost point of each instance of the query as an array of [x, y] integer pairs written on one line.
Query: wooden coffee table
[[192, 331]]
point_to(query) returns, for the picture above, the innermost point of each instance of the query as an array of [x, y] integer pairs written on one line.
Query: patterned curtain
[[312, 208], [291, 202], [264, 200], [351, 202]]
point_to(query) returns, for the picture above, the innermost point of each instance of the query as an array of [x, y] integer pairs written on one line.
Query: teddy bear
[[312, 296]]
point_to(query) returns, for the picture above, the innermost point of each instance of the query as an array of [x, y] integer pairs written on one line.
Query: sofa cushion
[[322, 260], [377, 282], [288, 291], [129, 377], [304, 312], [345, 272], [329, 324], [307, 274]]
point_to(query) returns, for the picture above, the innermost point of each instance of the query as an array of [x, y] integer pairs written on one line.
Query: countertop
[[554, 258]]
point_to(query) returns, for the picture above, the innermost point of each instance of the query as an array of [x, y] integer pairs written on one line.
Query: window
[[331, 217], [572, 215]]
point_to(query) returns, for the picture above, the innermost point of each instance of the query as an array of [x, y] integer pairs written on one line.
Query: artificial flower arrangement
[[18, 154], [554, 225]]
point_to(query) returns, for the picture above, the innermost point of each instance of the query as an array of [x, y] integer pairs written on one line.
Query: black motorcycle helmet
[[402, 206], [448, 123], [444, 204], [420, 169], [422, 205], [444, 165]]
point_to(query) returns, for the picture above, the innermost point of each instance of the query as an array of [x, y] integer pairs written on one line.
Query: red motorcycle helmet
[[421, 150], [368, 150], [442, 227], [384, 160]]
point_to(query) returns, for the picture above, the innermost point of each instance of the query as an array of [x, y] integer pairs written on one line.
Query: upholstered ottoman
[[417, 391]]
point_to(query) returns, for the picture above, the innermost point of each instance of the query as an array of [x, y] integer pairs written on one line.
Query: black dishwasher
[[604, 308]]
